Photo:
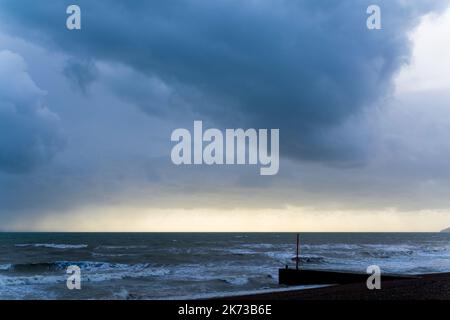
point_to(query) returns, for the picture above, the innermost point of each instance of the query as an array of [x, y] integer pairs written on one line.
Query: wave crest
[[52, 245]]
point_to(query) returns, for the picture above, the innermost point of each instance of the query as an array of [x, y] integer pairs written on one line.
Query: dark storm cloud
[[302, 66], [29, 131], [82, 73]]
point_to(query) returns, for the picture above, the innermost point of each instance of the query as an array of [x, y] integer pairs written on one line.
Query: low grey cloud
[[29, 131], [305, 67]]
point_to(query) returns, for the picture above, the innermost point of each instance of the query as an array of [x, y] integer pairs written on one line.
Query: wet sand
[[426, 287]]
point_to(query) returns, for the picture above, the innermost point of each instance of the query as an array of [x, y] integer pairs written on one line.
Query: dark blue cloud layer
[[302, 66], [30, 133]]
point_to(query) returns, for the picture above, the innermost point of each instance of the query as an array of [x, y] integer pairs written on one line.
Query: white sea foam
[[239, 281], [121, 247], [30, 280], [6, 267], [258, 245], [53, 245], [98, 254], [123, 294], [242, 251], [20, 292]]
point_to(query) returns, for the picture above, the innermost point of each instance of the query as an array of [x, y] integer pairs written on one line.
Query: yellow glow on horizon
[[292, 219]]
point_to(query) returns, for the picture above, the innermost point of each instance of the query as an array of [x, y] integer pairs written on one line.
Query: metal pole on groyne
[[297, 259]]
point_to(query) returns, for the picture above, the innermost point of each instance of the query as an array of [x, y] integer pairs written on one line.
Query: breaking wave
[[5, 267], [92, 271], [53, 245], [89, 266]]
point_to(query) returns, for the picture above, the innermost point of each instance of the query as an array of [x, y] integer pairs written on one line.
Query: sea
[[198, 265]]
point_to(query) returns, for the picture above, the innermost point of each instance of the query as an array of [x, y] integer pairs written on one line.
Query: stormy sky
[[86, 115]]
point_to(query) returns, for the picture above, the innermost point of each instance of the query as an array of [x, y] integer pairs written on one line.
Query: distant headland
[[446, 230]]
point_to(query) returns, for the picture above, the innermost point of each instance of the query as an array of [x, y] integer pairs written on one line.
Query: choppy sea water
[[193, 265]]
